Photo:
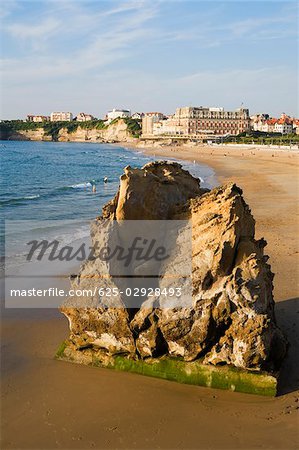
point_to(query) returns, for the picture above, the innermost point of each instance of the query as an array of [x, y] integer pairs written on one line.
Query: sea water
[[46, 188]]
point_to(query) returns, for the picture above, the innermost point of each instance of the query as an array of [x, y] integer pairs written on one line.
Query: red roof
[[284, 120]]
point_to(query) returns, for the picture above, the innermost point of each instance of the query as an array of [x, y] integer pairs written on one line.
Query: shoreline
[[35, 135]]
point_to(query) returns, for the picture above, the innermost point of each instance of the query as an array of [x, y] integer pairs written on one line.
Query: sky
[[148, 55]]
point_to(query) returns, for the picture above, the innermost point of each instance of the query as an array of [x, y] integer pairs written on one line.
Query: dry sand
[[52, 404]]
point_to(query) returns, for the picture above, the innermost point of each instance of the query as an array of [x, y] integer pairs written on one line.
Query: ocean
[[46, 188]]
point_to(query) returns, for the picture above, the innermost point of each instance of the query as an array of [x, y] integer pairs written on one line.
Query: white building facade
[[283, 127], [37, 118], [190, 121], [61, 116], [118, 113]]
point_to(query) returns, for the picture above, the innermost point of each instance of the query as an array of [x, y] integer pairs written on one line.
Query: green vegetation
[[258, 137], [175, 369], [20, 125], [134, 126], [53, 128], [114, 121], [61, 348], [7, 127], [5, 130]]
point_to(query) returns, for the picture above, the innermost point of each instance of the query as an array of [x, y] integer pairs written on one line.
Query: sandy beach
[[270, 184], [50, 404]]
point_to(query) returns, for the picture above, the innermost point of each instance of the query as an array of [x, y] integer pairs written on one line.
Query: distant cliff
[[93, 131]]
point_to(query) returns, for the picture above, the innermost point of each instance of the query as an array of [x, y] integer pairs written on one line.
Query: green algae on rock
[[175, 369]]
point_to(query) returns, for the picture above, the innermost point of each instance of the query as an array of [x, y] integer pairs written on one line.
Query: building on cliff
[[61, 116], [190, 121], [117, 113], [37, 118], [83, 117]]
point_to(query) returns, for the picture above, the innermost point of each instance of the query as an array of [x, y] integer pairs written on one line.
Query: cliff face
[[230, 318], [27, 135], [115, 132]]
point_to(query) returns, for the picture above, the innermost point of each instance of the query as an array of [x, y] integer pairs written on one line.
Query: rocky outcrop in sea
[[229, 316]]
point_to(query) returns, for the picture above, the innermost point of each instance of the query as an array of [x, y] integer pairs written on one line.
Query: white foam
[[81, 185], [30, 197]]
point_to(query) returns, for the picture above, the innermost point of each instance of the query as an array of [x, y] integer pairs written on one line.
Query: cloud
[[93, 55], [7, 7], [31, 31], [101, 42], [261, 90], [211, 30]]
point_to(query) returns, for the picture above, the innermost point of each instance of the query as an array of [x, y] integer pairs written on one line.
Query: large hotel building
[[198, 121]]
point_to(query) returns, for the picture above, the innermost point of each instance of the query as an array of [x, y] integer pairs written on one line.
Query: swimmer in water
[[105, 179], [94, 189]]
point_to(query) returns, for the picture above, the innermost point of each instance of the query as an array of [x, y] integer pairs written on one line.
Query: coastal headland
[[70, 406], [93, 131]]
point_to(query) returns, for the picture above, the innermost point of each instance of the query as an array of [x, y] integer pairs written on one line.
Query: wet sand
[[49, 404]]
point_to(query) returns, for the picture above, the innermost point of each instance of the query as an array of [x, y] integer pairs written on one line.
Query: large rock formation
[[230, 318], [115, 132]]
